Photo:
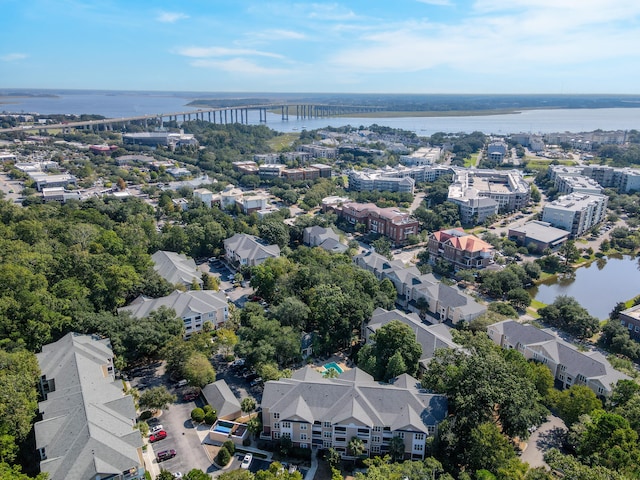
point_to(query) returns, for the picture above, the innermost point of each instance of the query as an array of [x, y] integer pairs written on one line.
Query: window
[[276, 425], [569, 379], [326, 444], [431, 429], [286, 424], [327, 424], [303, 445], [341, 439], [418, 447], [418, 436], [43, 455], [276, 435], [341, 429], [600, 391], [375, 439], [400, 434], [363, 431], [303, 436], [276, 415], [375, 449], [563, 368], [637, 329], [303, 426], [326, 434]]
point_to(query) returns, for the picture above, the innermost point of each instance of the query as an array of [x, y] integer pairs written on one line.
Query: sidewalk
[[150, 461]]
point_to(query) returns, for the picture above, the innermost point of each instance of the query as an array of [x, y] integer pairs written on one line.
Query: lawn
[[471, 162], [283, 141]]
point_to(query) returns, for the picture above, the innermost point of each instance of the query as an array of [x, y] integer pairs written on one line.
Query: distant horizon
[[548, 47]]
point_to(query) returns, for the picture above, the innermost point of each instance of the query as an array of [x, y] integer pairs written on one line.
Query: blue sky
[[368, 46]]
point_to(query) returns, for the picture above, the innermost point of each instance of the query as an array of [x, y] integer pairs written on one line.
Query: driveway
[[549, 435]]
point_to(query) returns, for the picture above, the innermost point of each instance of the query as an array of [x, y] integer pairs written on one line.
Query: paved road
[[549, 435]]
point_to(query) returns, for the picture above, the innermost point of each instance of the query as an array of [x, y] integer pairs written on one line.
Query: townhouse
[[87, 427], [328, 412], [568, 365]]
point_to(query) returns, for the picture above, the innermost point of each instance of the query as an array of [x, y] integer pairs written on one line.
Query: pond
[[597, 287]]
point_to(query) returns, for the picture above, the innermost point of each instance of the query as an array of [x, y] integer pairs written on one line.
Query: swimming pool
[[222, 429], [333, 365]]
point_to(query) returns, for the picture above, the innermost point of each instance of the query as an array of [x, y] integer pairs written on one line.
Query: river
[[126, 104], [597, 287]]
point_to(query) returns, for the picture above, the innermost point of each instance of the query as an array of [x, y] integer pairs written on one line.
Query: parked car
[[190, 396], [238, 363], [165, 455], [246, 461], [156, 428], [160, 435], [177, 475], [256, 381]]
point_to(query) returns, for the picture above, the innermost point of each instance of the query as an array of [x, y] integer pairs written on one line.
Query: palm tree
[[355, 447], [396, 449]]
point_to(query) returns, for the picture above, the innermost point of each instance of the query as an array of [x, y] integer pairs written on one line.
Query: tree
[[292, 312], [569, 251], [198, 370], [576, 401], [396, 448], [254, 426], [566, 313], [489, 449], [230, 446], [223, 457], [156, 398], [519, 298], [382, 246], [355, 447], [196, 474], [333, 458], [210, 282], [164, 475], [248, 405], [394, 338], [197, 415]]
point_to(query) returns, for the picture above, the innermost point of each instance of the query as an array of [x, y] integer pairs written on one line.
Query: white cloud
[[238, 65], [278, 34], [12, 57], [206, 52], [330, 11], [171, 17], [443, 3]]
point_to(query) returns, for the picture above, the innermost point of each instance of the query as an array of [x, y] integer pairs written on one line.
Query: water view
[[598, 286]]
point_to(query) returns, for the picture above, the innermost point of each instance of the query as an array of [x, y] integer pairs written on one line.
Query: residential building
[[507, 188], [538, 234], [271, 170], [463, 250], [176, 268], [630, 318], [577, 183], [324, 171], [204, 195], [327, 412], [497, 151], [624, 179], [422, 293], [389, 222], [390, 179], [422, 156], [159, 137], [568, 365], [86, 431], [195, 308], [319, 151], [576, 213], [252, 203], [325, 238], [243, 249], [180, 204], [222, 400], [430, 337], [476, 210]]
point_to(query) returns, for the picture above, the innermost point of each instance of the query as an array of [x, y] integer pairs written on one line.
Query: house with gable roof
[[243, 249], [463, 250], [328, 412], [568, 365], [87, 427], [176, 268], [325, 238]]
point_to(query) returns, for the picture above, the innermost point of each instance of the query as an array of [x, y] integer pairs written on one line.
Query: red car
[[154, 437], [190, 396]]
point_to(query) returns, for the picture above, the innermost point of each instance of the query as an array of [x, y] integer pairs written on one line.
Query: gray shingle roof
[[176, 268], [87, 425], [353, 397], [248, 246], [183, 303], [220, 397]]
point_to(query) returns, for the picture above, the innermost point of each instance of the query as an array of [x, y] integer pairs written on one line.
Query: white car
[[177, 475], [155, 428], [246, 461]]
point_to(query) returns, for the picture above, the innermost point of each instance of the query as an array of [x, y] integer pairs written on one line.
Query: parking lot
[[238, 294], [176, 421]]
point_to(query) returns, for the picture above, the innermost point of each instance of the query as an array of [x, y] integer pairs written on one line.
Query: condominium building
[[328, 412], [176, 268], [395, 179], [624, 179], [577, 183], [568, 365], [242, 249], [87, 427], [576, 213], [463, 250], [508, 189], [630, 318], [497, 151], [389, 222], [422, 156]]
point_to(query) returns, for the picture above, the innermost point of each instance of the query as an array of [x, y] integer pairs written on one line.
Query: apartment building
[[624, 179], [389, 222], [327, 412], [195, 308], [463, 250], [422, 156], [390, 178], [243, 249], [630, 318], [576, 213], [568, 365], [422, 293], [86, 431], [507, 188], [578, 184], [176, 268], [497, 151], [319, 151]]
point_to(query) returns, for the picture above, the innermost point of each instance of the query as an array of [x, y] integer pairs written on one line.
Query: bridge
[[219, 115]]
